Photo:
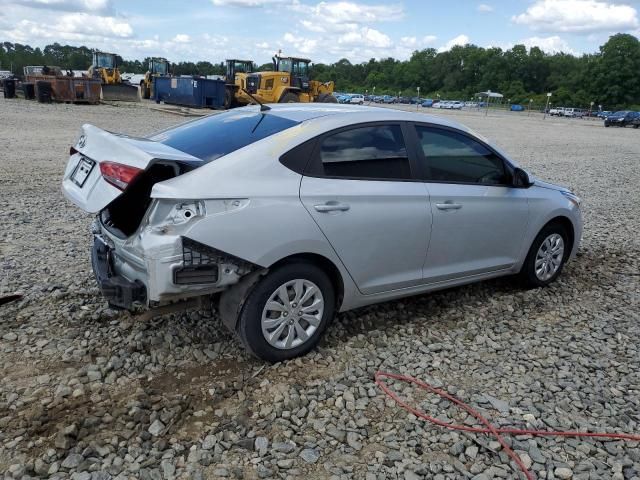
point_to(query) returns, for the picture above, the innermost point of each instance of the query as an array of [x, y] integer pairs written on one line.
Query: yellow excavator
[[288, 83], [104, 66], [158, 67]]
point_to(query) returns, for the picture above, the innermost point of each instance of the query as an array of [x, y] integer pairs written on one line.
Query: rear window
[[214, 136]]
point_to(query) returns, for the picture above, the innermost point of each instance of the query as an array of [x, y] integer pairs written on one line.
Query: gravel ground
[[88, 393]]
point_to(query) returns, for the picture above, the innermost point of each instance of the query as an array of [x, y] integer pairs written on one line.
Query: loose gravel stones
[[90, 393]]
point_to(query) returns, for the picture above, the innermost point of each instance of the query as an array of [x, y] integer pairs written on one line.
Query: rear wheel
[[326, 98], [289, 97], [287, 312], [546, 257]]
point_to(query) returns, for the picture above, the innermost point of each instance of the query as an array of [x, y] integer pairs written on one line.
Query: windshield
[[300, 69], [241, 67], [285, 65], [104, 60], [159, 67], [621, 113], [218, 135]]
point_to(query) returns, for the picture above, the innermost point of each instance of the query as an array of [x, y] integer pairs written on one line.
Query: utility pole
[[547, 107]]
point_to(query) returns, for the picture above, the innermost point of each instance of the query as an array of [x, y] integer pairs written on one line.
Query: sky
[[324, 31]]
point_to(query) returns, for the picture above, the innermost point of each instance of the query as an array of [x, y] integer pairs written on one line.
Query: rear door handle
[[448, 206], [332, 207]]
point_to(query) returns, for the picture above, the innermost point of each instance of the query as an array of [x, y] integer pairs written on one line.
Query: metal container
[[69, 89], [189, 91]]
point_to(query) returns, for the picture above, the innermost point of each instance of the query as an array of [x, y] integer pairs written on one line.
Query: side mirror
[[521, 178]]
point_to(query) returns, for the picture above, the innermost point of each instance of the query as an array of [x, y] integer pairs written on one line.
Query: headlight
[[572, 197]]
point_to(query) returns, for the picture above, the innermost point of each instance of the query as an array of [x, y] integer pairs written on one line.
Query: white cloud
[[248, 3], [103, 7], [579, 16], [484, 8], [417, 43], [459, 40], [262, 45], [181, 38], [553, 44], [365, 37]]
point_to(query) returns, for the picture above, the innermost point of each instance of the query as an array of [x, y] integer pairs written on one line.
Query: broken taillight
[[119, 175]]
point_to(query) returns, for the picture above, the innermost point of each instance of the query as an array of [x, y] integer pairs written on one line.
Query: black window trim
[[423, 164], [315, 161]]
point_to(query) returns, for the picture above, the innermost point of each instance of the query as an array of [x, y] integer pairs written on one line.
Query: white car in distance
[[359, 99]]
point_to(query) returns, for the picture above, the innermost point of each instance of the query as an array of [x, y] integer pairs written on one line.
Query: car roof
[[308, 112]]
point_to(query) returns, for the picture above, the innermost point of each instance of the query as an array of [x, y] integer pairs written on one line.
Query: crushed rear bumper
[[119, 291]]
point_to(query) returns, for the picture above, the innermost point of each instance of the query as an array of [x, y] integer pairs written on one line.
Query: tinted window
[[217, 135], [376, 152], [453, 157]]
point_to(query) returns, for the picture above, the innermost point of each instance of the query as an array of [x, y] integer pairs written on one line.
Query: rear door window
[[456, 158], [374, 152], [214, 136]]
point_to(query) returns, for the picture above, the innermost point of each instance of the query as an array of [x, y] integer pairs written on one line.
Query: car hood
[[541, 183]]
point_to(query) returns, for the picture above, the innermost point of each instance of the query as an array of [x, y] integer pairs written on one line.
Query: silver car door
[[376, 216], [479, 219]]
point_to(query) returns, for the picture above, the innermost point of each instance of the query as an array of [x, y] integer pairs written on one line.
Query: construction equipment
[[288, 83], [158, 67], [235, 79], [104, 66]]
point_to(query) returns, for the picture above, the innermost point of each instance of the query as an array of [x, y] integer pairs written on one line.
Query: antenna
[[263, 107]]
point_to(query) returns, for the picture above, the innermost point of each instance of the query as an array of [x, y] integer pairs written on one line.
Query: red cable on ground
[[489, 427]]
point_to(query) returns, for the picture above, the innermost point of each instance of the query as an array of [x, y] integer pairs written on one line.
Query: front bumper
[[118, 291]]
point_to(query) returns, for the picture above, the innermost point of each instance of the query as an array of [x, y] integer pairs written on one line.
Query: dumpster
[[189, 91], [60, 87], [9, 88]]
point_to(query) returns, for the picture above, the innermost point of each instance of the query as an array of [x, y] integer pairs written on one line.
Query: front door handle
[[332, 207], [448, 206]]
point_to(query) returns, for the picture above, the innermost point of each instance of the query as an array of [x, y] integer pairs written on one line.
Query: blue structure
[[189, 91]]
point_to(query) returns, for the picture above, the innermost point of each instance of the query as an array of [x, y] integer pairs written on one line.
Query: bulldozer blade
[[120, 93]]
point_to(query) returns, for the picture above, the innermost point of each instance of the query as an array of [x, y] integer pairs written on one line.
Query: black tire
[[228, 98], [289, 97], [527, 273], [326, 98], [249, 325], [146, 92]]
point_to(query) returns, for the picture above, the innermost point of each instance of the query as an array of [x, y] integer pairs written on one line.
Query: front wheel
[[287, 312], [289, 97], [546, 257]]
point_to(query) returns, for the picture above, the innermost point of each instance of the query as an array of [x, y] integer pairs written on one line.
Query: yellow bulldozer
[[104, 66], [158, 67], [288, 83]]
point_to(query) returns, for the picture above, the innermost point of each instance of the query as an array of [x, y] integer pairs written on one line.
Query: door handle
[[448, 206], [332, 207]]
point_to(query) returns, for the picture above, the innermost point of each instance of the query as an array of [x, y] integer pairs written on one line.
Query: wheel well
[[565, 223], [325, 264]]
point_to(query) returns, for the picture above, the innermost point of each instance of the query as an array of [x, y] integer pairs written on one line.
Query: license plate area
[[82, 171]]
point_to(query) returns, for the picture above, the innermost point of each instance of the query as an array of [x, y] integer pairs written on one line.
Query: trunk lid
[[83, 183]]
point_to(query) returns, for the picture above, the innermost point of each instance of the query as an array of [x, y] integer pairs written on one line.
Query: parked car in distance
[[621, 118], [388, 99], [344, 98], [556, 111], [573, 112], [456, 105], [516, 108], [444, 104], [286, 216], [604, 114], [427, 102], [405, 100], [471, 104], [357, 98]]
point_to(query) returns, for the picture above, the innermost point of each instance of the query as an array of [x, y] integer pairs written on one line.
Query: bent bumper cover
[[119, 291]]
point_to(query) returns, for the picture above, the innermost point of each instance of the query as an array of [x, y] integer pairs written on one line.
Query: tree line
[[610, 77]]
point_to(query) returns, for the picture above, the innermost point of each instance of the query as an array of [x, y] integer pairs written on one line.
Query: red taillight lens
[[118, 175]]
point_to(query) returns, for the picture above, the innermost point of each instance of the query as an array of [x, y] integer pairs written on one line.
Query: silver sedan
[[285, 215]]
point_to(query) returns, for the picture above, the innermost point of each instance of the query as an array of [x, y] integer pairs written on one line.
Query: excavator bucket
[[120, 92]]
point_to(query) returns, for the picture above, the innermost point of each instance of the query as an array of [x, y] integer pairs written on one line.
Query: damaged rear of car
[[142, 253]]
